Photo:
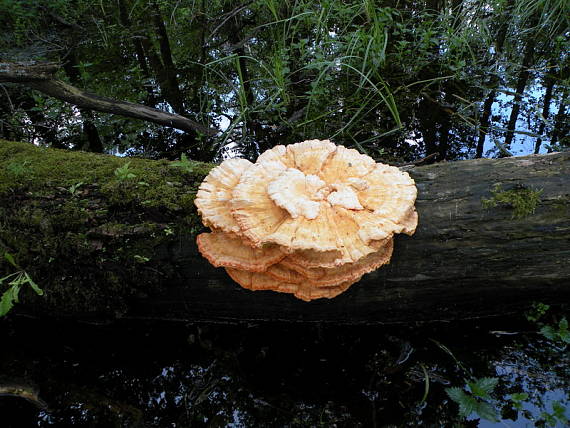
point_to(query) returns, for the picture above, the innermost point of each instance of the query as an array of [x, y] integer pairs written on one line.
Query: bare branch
[[40, 76]]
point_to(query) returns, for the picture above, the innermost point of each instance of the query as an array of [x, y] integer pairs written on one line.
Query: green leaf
[[548, 332], [15, 292], [9, 276], [487, 411], [548, 418], [483, 387], [10, 259], [8, 299], [559, 411], [455, 393], [519, 396], [557, 334], [563, 332], [184, 163], [6, 303], [34, 286], [468, 405], [124, 172]]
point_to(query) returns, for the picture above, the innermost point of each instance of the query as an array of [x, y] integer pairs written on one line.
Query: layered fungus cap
[[309, 219]]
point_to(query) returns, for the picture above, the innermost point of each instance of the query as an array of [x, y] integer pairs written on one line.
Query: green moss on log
[[77, 227], [521, 200]]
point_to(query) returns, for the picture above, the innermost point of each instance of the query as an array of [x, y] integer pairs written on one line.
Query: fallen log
[[109, 237]]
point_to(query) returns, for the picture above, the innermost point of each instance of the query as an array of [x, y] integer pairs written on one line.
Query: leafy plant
[[75, 187], [558, 415], [475, 398], [536, 311], [559, 334], [141, 259], [517, 399], [184, 164], [17, 280], [19, 168], [125, 172]]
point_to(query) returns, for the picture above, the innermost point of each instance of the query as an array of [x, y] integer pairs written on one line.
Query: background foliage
[[396, 79]]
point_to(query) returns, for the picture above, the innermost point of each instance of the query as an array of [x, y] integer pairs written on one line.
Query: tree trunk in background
[[485, 121], [549, 84], [252, 129], [162, 65], [560, 121], [522, 80], [176, 98], [444, 129], [428, 118], [503, 29], [114, 248], [170, 94], [139, 51], [90, 131]]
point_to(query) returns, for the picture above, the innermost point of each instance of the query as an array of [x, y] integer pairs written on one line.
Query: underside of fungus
[[308, 219]]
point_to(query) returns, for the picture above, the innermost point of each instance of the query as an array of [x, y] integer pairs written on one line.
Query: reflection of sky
[[539, 370], [528, 121], [522, 422]]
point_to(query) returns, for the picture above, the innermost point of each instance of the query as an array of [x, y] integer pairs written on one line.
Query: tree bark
[[115, 248], [40, 77]]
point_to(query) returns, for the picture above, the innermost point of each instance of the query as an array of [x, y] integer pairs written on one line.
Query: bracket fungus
[[308, 219]]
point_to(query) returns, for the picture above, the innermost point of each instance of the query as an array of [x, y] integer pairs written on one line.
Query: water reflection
[[275, 375]]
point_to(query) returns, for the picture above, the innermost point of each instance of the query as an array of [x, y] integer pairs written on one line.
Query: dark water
[[274, 375]]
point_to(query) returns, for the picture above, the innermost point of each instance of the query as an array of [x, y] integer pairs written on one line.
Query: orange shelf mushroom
[[308, 219]]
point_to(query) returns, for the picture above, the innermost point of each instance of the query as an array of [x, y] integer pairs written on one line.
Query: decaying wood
[[464, 260], [41, 77]]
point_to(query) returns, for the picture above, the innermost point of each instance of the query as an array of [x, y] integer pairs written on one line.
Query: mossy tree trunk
[[105, 244]]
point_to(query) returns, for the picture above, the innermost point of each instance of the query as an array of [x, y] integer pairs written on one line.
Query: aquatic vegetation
[[475, 398], [557, 333]]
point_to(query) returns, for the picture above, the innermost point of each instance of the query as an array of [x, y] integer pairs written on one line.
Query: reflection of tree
[[406, 81], [209, 375], [549, 85], [561, 123]]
